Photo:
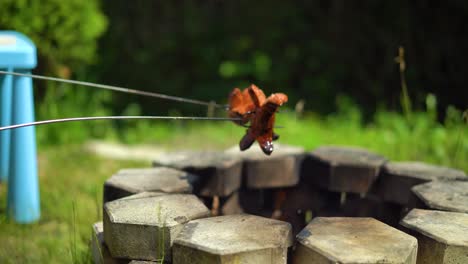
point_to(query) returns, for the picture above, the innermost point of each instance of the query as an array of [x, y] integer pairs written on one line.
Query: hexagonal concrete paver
[[353, 240], [218, 174], [99, 250], [397, 178], [442, 236], [130, 181], [232, 205], [342, 169], [443, 195], [144, 226], [233, 239], [280, 169]]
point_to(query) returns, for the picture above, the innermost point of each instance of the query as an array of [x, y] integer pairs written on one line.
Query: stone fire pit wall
[[331, 205]]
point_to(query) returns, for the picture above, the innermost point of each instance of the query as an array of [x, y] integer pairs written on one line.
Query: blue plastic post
[[6, 89], [23, 188], [18, 53]]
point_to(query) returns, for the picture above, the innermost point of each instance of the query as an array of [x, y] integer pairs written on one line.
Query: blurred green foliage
[[65, 32], [311, 50], [318, 51], [61, 100]]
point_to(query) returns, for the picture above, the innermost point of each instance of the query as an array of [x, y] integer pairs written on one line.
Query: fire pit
[[333, 204]]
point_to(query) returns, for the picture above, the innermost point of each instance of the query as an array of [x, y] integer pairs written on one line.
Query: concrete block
[[342, 169], [353, 240], [142, 195], [131, 181], [233, 239], [99, 250], [280, 169], [443, 195], [143, 226], [397, 179], [232, 205], [218, 174], [442, 236]]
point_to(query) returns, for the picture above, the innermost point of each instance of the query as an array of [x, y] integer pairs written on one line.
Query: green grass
[[71, 179], [71, 197]]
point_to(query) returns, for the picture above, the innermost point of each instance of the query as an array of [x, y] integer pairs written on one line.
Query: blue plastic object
[[6, 90], [18, 147]]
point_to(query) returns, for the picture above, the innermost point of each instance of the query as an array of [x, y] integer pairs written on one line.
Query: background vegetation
[[312, 50], [337, 56]]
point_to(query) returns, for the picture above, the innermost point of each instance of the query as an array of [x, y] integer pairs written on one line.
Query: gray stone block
[[233, 239], [353, 240], [218, 174], [342, 169], [280, 169], [232, 205], [442, 236], [142, 195], [397, 178], [443, 195], [99, 250], [130, 181], [143, 226]]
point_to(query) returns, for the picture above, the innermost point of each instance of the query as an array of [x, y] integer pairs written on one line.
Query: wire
[[118, 89], [74, 119]]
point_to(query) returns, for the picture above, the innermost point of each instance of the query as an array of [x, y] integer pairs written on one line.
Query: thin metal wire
[[118, 89], [73, 119]]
